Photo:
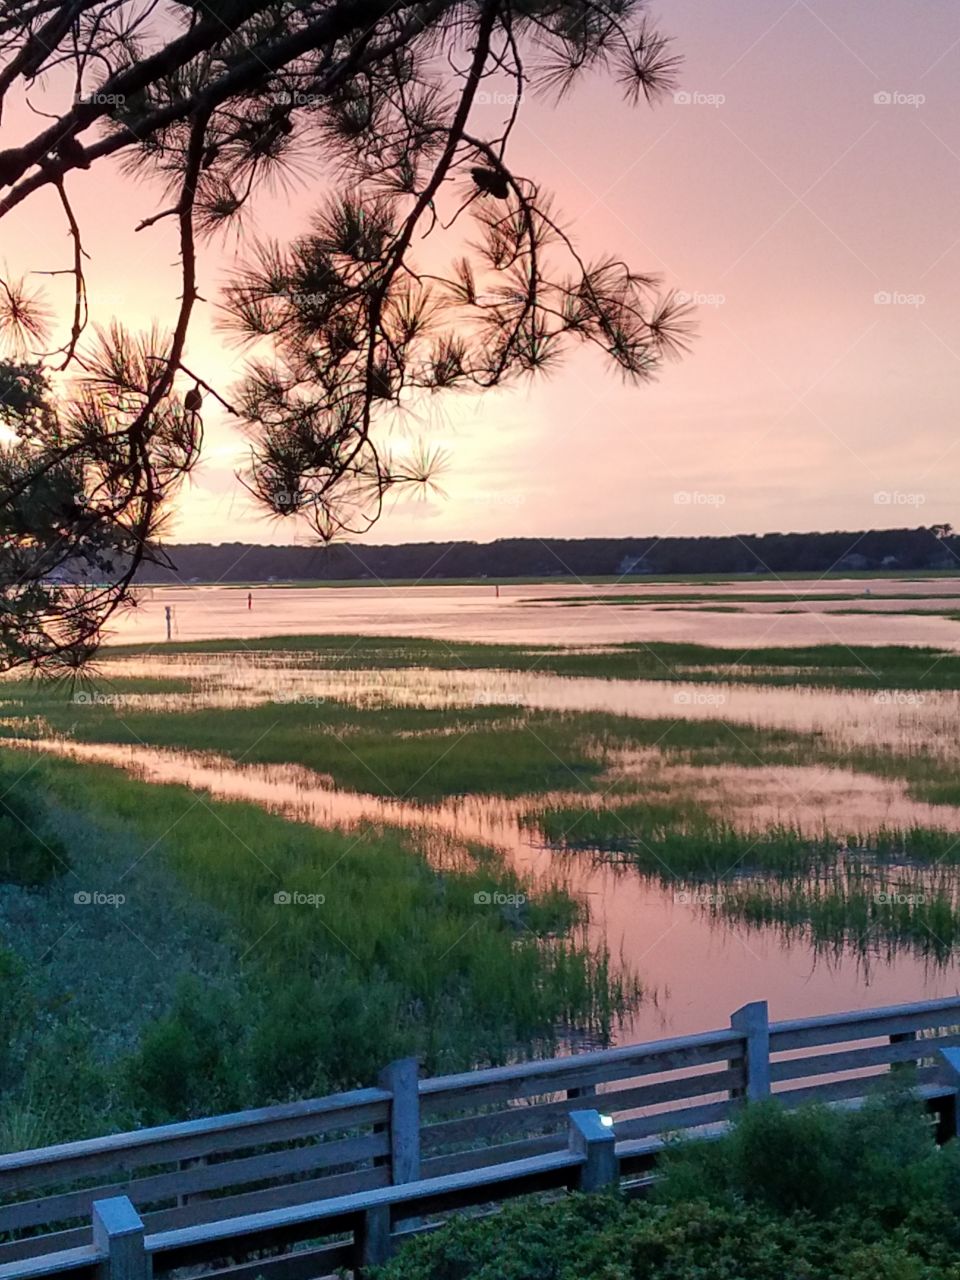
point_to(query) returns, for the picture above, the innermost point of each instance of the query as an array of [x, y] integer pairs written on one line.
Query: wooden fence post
[[400, 1079], [753, 1021], [597, 1142], [182, 1166], [118, 1237], [375, 1245]]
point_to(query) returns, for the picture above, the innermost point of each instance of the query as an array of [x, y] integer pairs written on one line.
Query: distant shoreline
[[627, 580], [717, 558]]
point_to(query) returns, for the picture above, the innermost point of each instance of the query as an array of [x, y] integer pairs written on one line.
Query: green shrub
[[606, 1238], [313, 1038], [188, 1063], [30, 854], [53, 1089], [879, 1160], [803, 1195]]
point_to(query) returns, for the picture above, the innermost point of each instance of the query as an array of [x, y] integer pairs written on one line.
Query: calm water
[[697, 966], [854, 718], [523, 614]]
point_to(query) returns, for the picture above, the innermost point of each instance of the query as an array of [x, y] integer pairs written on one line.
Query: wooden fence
[[369, 1161]]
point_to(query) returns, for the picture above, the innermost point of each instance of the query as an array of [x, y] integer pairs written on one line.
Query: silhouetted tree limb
[[216, 100]]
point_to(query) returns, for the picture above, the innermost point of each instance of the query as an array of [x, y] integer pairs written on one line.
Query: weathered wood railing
[[121, 1249], [409, 1146]]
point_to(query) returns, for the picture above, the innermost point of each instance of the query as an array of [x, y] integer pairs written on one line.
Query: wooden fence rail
[[393, 1153], [121, 1248]]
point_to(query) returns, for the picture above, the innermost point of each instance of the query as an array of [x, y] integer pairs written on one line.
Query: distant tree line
[[936, 547]]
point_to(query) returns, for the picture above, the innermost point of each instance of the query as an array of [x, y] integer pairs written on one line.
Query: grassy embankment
[[200, 991]]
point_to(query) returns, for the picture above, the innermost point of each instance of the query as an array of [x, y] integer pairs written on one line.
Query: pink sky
[[782, 193]]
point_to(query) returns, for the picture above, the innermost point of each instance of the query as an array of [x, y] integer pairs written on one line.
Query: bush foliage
[[810, 1194], [30, 854]]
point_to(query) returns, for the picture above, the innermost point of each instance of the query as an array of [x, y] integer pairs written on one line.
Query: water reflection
[[851, 719], [475, 613]]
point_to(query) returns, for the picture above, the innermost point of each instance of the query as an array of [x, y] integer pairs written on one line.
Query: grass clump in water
[[680, 838], [858, 907]]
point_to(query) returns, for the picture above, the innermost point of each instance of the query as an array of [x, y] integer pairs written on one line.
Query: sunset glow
[[807, 169]]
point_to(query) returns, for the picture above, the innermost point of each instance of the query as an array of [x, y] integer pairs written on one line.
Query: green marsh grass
[[89, 687], [680, 836], [395, 751], [400, 957], [422, 753], [874, 667], [431, 753], [678, 839], [859, 905]]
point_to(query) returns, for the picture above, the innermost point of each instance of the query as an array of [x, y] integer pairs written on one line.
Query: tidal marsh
[[834, 666], [623, 845]]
